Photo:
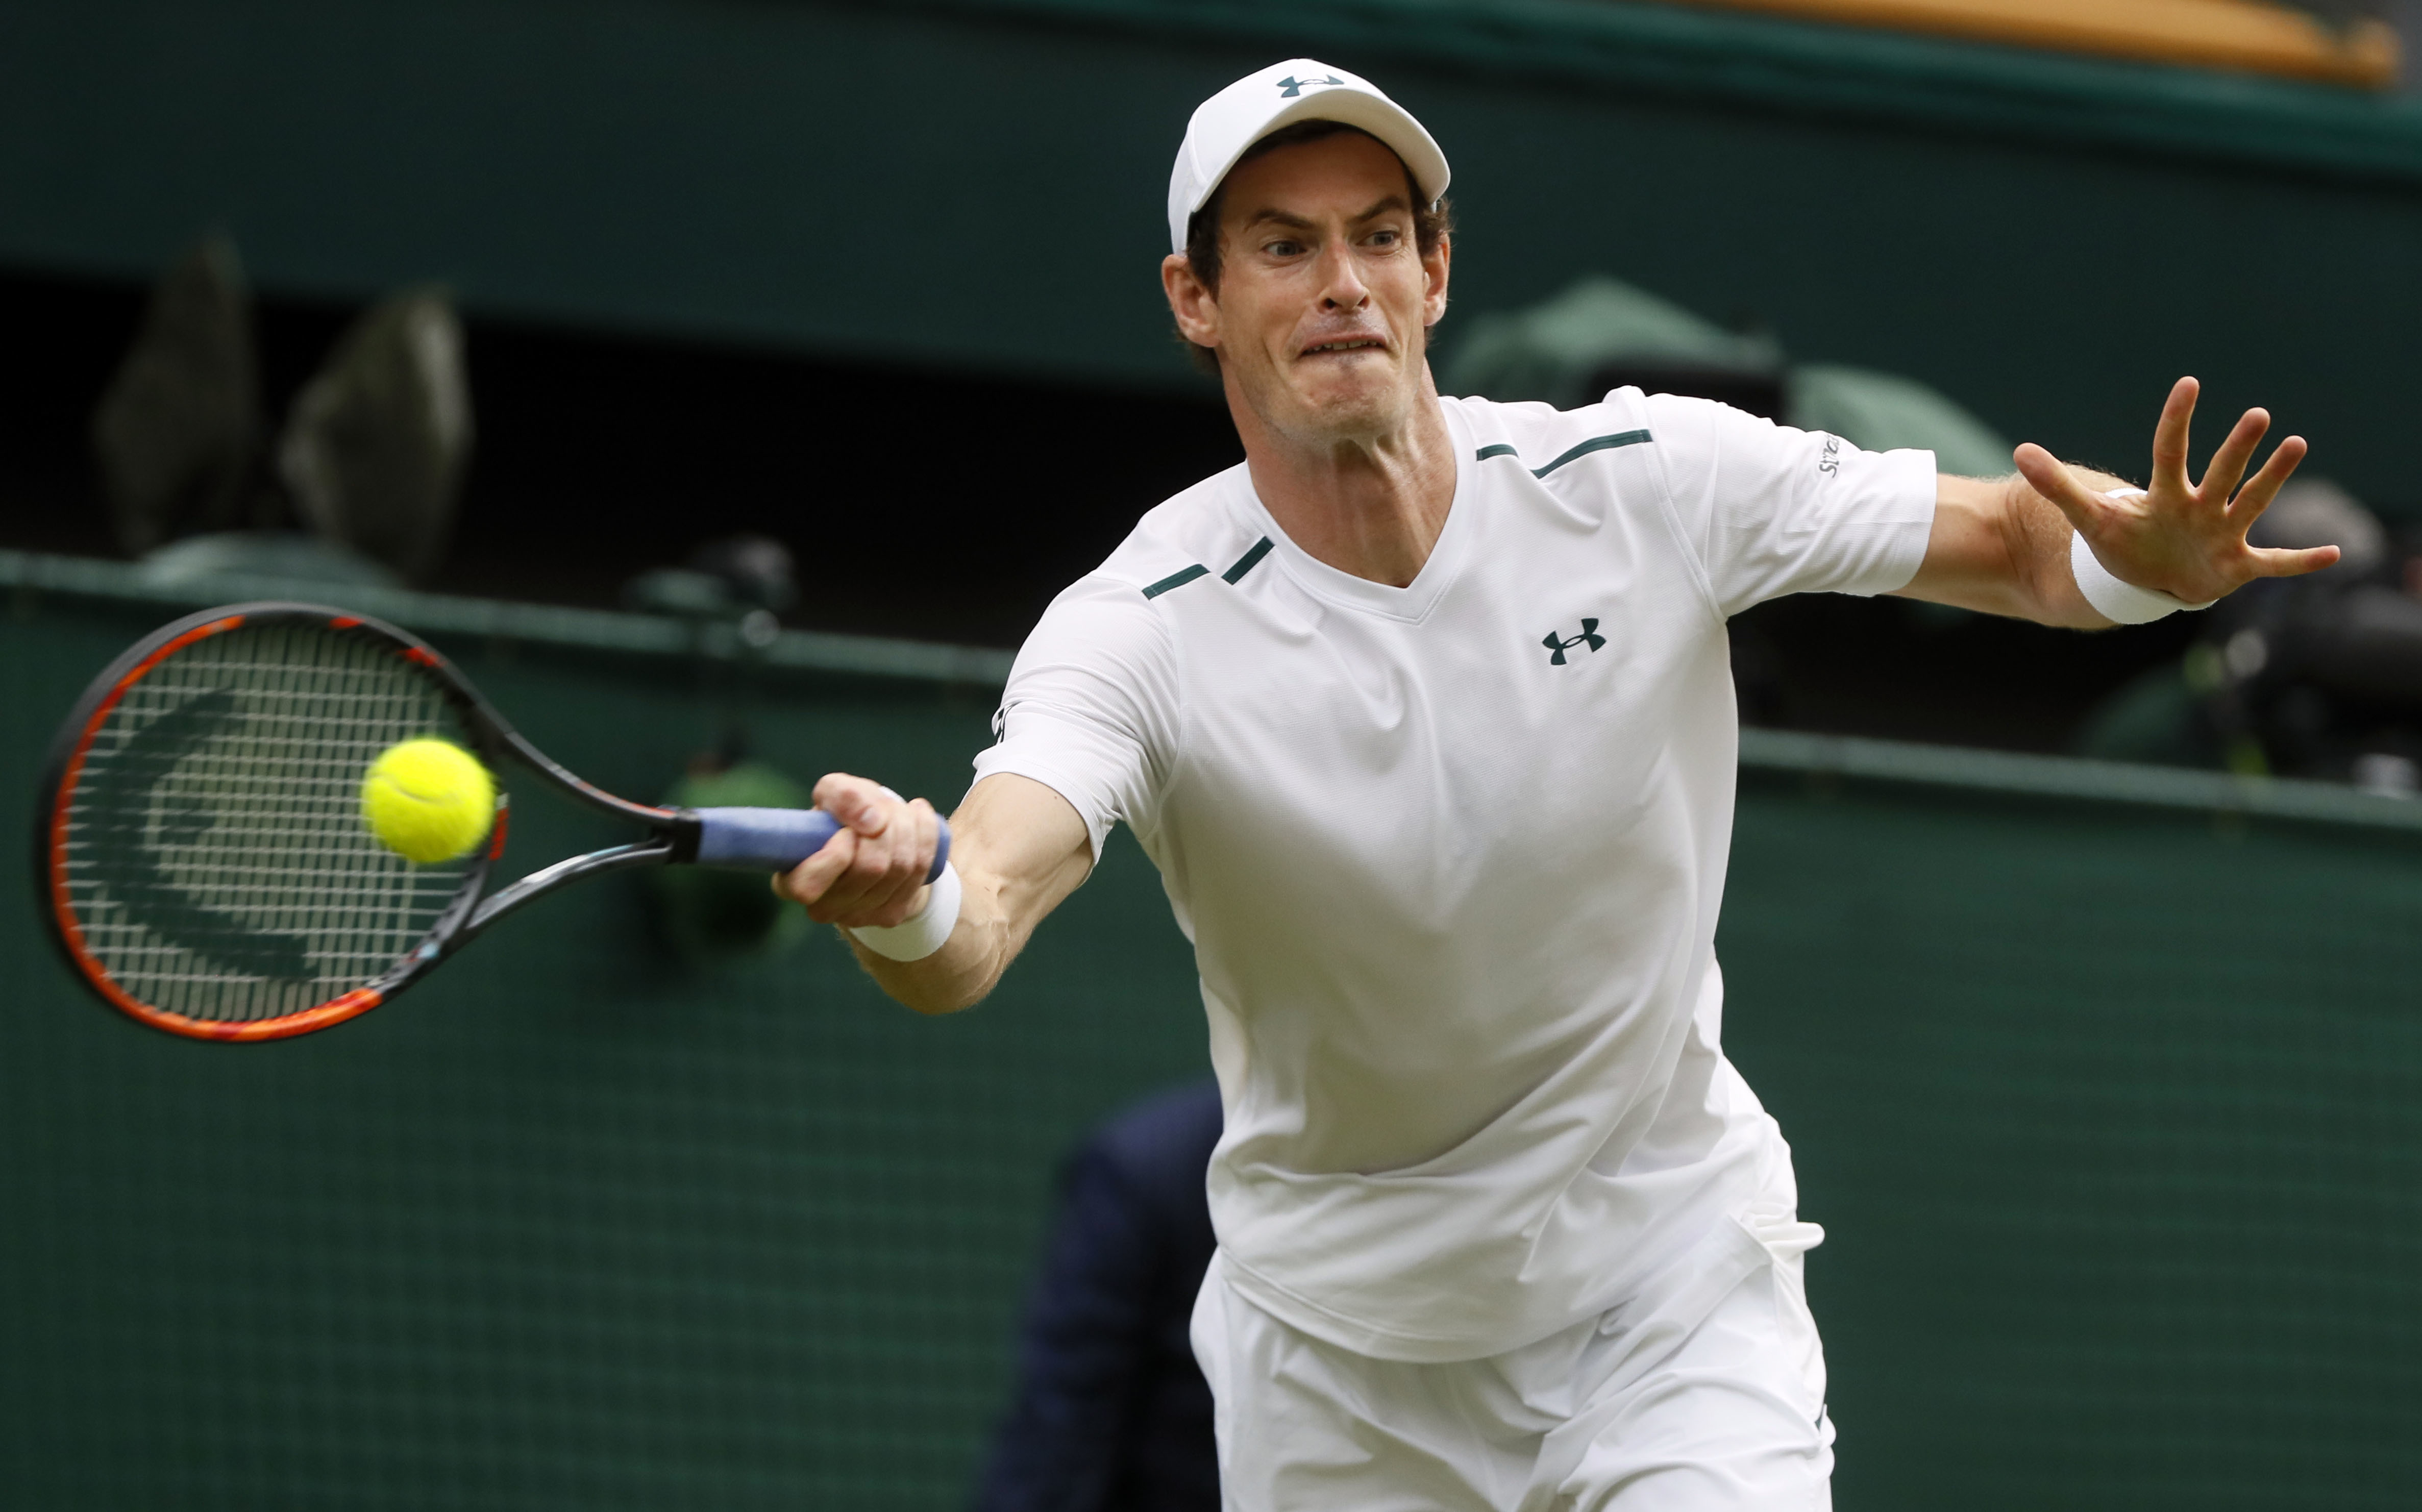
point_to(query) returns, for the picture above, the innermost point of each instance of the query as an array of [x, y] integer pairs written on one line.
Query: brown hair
[[1431, 222]]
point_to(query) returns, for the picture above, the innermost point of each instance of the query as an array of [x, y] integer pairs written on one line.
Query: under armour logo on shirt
[[1291, 87], [1557, 645]]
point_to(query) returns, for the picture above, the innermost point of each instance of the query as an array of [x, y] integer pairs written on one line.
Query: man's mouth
[[1345, 343]]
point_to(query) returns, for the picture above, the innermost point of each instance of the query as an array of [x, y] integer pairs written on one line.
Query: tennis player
[[1424, 712]]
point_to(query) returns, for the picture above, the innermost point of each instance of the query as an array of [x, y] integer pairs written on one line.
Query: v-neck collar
[[1414, 601]]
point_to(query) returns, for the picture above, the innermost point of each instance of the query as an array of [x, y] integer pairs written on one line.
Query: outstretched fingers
[[2170, 437], [2227, 466], [2264, 486], [2273, 562]]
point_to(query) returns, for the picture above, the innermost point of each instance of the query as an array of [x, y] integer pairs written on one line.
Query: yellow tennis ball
[[428, 801]]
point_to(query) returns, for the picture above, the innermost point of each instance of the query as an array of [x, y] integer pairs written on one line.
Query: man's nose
[[1342, 286]]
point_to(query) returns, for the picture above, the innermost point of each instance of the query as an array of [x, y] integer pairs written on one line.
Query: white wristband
[[922, 933], [2118, 601]]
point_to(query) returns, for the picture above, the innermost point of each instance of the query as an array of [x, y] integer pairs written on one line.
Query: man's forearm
[[964, 972], [1021, 849], [2000, 547]]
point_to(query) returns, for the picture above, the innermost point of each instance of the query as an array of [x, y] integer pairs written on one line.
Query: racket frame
[[673, 832]]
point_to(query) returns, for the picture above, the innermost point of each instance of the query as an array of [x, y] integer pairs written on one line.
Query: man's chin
[[1347, 411]]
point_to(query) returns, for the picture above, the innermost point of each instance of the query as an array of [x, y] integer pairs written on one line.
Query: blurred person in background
[[1111, 1413]]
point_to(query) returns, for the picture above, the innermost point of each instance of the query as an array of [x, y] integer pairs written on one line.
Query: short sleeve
[[1774, 510], [1090, 707]]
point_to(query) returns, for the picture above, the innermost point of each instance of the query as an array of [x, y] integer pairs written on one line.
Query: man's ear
[[1195, 307], [1437, 264]]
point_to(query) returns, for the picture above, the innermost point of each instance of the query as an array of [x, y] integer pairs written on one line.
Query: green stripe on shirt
[[1176, 579], [1247, 563], [1596, 443]]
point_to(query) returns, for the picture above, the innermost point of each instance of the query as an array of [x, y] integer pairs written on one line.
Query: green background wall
[[576, 1227], [2113, 1113], [979, 186], [2114, 1120]]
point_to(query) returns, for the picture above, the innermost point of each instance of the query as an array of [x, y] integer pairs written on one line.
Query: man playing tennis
[[1424, 714]]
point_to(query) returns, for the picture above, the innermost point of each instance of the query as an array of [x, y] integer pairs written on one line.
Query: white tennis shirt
[[1451, 854]]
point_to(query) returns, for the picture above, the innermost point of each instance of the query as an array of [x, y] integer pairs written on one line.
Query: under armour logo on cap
[[1291, 87]]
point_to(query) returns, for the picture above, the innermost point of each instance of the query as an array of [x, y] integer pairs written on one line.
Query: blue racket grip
[[777, 839]]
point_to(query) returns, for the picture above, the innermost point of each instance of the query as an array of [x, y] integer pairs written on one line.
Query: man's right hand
[[1018, 848], [873, 872]]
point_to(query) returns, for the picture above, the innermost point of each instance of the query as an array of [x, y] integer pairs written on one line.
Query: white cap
[[1259, 104]]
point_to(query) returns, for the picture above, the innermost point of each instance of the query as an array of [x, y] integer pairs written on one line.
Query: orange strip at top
[[2246, 36]]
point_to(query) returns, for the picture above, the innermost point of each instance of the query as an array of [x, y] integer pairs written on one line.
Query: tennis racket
[[200, 854]]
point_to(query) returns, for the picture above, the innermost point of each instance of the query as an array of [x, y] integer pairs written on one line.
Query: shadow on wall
[[358, 486]]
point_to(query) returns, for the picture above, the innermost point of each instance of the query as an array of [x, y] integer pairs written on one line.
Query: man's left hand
[[2184, 538]]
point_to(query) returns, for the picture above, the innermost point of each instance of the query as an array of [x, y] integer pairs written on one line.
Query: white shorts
[[1706, 1393]]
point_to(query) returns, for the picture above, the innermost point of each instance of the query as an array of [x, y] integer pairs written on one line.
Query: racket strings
[[216, 860]]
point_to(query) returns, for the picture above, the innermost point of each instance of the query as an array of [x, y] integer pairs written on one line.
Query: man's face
[[1325, 299]]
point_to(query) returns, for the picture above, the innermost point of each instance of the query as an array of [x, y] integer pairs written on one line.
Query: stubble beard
[[1339, 414]]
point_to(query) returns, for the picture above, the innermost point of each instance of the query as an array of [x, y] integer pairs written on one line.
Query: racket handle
[[776, 840]]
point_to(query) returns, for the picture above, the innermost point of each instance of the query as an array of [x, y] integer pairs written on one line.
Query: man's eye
[[1386, 238], [1283, 249]]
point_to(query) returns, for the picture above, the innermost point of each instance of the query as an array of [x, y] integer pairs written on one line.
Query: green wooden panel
[[2113, 1113], [979, 186]]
